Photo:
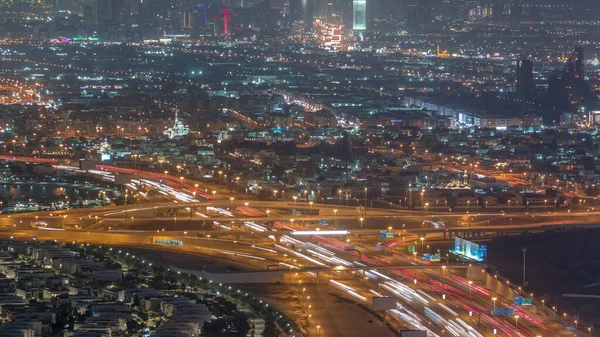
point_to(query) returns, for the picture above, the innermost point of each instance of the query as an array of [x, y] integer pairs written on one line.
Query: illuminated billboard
[[470, 249]]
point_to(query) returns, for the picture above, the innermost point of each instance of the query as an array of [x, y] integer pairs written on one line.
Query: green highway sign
[[389, 235], [411, 249]]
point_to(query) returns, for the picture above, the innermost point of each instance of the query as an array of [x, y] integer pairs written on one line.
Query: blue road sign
[[503, 311]]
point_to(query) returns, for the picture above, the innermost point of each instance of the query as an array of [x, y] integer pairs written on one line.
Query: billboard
[[384, 303], [470, 249]]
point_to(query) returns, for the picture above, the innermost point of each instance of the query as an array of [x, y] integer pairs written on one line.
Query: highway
[[439, 300], [442, 301]]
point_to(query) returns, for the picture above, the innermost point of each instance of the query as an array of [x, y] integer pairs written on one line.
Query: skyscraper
[[307, 16], [574, 64], [524, 79], [359, 15]]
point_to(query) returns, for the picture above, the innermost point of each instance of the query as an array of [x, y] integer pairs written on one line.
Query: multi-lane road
[[435, 297]]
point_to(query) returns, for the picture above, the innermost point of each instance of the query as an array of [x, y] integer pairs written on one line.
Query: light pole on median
[[471, 289], [494, 300], [361, 222], [422, 249]]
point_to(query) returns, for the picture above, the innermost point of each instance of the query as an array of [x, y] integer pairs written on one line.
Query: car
[[39, 224]]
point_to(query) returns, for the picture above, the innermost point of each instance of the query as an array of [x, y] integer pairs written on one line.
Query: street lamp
[[335, 212], [231, 201], [361, 222], [214, 193], [295, 197], [494, 299], [268, 211], [422, 249], [470, 288], [517, 322], [318, 331], [220, 176]]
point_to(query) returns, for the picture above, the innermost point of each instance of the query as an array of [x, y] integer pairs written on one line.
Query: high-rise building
[[410, 12], [524, 79], [418, 14], [307, 16], [295, 8], [574, 65], [359, 11]]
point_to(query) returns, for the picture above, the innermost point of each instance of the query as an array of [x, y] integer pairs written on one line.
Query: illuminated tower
[[359, 15], [225, 21], [307, 16]]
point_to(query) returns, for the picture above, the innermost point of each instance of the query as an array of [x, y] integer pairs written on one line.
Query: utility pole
[[524, 249]]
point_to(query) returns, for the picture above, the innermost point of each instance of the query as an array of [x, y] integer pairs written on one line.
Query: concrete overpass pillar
[[476, 273]]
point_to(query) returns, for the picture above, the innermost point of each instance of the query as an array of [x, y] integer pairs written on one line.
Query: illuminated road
[[436, 299], [439, 300]]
